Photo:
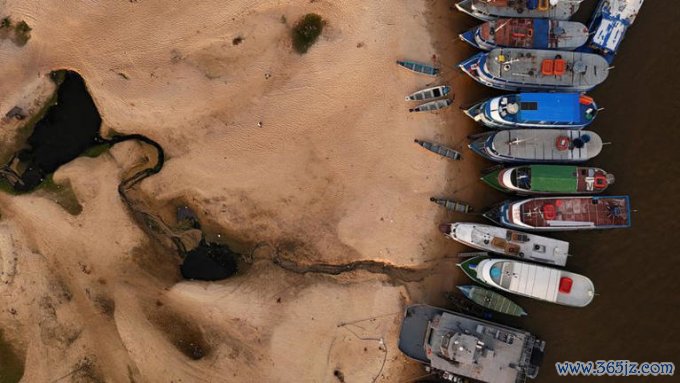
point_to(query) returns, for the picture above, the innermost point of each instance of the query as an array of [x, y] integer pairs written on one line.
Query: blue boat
[[419, 67], [609, 24], [517, 69], [537, 145], [563, 213], [535, 110], [527, 33]]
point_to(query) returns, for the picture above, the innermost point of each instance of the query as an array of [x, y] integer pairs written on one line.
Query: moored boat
[[491, 300], [535, 110], [439, 149], [538, 282], [483, 351], [492, 9], [549, 179], [563, 213], [449, 204], [527, 33], [432, 106], [609, 24], [429, 93], [508, 242], [419, 67], [515, 69], [537, 145]]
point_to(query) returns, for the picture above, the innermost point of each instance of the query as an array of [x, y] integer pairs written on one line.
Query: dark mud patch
[[185, 335], [209, 262], [105, 305], [11, 363]]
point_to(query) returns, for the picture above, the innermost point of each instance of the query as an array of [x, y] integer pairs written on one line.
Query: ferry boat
[[535, 110], [609, 24], [492, 300], [563, 213], [491, 9], [517, 69], [507, 242], [456, 347], [538, 282], [537, 145], [527, 33], [549, 179]]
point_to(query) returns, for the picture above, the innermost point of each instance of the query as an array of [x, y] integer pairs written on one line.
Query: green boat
[[469, 268], [549, 179], [492, 300]]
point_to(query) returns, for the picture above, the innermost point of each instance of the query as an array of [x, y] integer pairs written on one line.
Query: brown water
[[636, 314]]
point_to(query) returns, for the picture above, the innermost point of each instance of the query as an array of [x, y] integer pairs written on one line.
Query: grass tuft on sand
[[306, 31]]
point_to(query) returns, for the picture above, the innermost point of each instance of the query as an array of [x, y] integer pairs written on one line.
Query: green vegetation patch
[[19, 33], [307, 31]]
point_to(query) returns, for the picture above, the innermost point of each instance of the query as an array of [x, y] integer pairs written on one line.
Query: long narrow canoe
[[419, 67], [491, 300], [432, 106], [439, 149], [429, 93], [459, 207]]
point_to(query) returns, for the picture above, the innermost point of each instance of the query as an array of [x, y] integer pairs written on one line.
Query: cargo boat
[[456, 347], [609, 25], [535, 110], [527, 33], [537, 145], [508, 242], [516, 69], [549, 179], [563, 213], [492, 9]]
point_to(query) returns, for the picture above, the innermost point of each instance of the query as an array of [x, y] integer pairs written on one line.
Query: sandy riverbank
[[332, 176]]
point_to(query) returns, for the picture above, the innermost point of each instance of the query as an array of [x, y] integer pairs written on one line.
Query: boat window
[[529, 105], [522, 178], [436, 93], [496, 273]]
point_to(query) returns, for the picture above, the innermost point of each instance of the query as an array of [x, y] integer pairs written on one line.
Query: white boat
[[492, 9], [429, 93], [538, 282], [507, 242]]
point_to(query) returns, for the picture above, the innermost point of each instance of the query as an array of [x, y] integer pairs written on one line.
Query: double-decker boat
[[549, 179], [537, 145], [527, 33], [563, 213], [516, 69], [535, 110]]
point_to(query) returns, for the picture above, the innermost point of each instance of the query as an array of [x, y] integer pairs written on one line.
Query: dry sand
[[331, 176]]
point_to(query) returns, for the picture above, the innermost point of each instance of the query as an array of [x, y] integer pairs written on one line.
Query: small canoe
[[472, 254], [419, 67], [458, 207], [432, 106], [438, 149], [465, 306], [469, 267], [492, 300], [429, 93]]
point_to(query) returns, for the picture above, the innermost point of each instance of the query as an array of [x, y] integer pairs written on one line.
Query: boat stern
[[447, 228], [476, 111], [495, 214], [465, 289], [478, 144], [491, 179]]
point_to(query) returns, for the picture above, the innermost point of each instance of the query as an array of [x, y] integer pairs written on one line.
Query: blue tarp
[[541, 30], [557, 107]]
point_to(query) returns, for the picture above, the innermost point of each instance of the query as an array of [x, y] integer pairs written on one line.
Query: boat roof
[[538, 281], [524, 66], [563, 107], [459, 335], [616, 18], [540, 144], [554, 178]]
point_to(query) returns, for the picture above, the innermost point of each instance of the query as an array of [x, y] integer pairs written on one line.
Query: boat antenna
[[600, 109], [611, 67], [501, 26], [606, 143]]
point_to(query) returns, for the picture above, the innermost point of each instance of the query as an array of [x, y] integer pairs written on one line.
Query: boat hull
[[563, 11], [499, 180]]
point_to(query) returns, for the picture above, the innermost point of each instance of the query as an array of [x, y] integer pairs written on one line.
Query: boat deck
[[576, 211], [540, 145], [534, 33], [546, 68]]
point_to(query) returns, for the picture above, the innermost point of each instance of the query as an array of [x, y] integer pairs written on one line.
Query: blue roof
[[541, 31], [554, 107]]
